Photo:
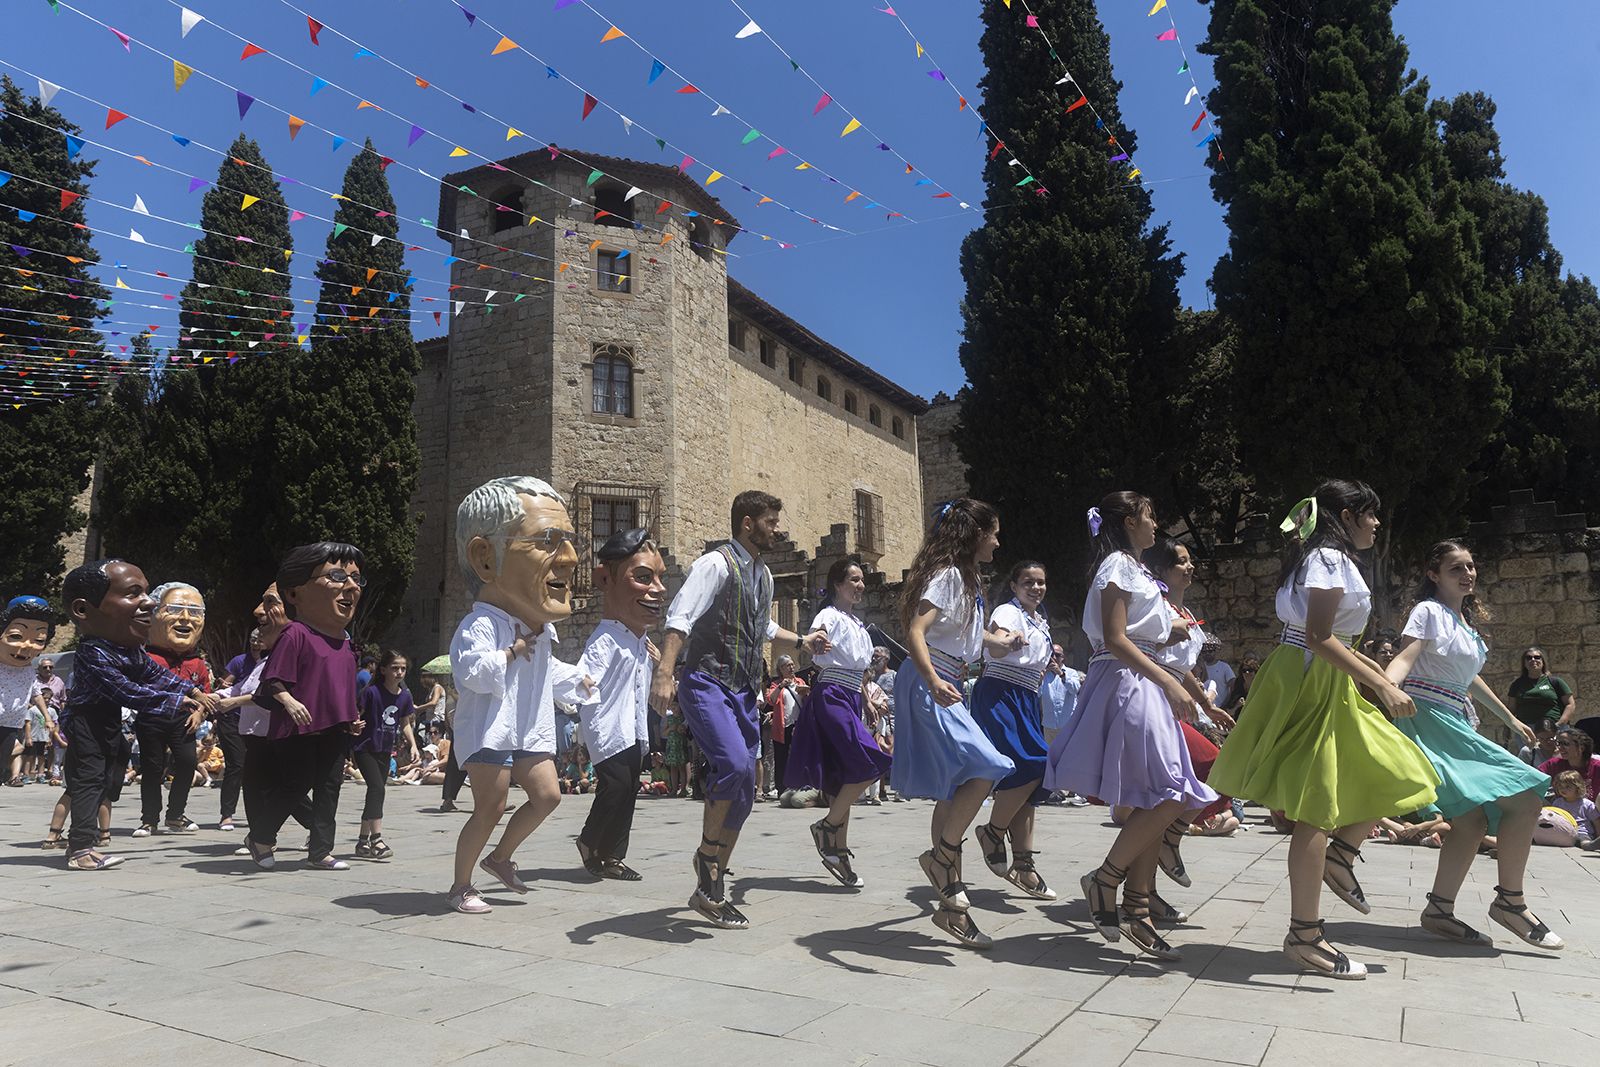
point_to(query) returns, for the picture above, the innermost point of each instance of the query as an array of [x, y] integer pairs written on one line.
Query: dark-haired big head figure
[[26, 626], [1307, 744], [109, 601], [309, 686], [1483, 788], [719, 623]]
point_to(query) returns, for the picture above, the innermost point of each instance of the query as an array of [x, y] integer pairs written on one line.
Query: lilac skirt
[[830, 747], [1124, 746]]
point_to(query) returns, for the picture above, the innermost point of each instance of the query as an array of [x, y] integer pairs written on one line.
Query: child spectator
[[209, 764], [676, 756], [1570, 800]]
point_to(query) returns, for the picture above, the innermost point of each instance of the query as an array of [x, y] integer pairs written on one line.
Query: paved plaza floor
[[186, 954]]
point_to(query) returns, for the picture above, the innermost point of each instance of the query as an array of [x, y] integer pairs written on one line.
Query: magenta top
[[319, 671]]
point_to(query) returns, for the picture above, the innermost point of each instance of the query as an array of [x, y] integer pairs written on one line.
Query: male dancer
[[719, 622]]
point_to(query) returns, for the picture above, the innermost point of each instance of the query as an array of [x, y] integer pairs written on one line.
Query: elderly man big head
[[166, 737], [514, 542]]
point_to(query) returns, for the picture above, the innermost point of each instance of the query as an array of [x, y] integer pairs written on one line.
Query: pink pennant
[[1033, 22], [822, 103], [776, 152], [121, 37], [1170, 35], [296, 216]]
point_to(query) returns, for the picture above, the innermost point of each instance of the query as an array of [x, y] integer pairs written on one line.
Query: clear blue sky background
[[889, 294]]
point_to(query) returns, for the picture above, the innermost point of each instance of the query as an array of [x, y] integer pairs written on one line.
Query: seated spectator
[[1222, 824], [577, 773], [1421, 828], [1544, 744], [1234, 699], [1214, 675], [1569, 817], [1575, 752], [209, 764]]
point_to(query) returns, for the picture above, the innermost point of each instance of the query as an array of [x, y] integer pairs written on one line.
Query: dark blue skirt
[[1009, 716]]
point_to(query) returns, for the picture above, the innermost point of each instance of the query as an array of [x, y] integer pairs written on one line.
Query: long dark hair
[[836, 574], [1004, 592], [1115, 510], [1584, 742], [1334, 497], [951, 542], [1162, 557], [1472, 609]]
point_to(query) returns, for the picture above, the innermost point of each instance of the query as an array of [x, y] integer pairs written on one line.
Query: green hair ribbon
[[1302, 519]]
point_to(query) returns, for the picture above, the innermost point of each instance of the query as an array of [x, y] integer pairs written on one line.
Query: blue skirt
[[1008, 714], [1474, 772], [937, 750], [829, 747]]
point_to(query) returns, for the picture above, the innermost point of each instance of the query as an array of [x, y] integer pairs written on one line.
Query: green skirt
[[1309, 746]]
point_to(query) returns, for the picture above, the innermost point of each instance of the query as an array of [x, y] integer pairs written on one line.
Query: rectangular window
[[794, 369], [869, 521], [612, 272], [610, 515], [769, 352], [736, 334]]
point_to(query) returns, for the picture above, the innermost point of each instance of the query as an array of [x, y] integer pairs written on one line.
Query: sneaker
[[505, 871], [183, 825], [1075, 801], [468, 901], [145, 830]]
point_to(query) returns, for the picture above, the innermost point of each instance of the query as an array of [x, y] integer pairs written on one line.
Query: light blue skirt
[[1474, 772], [937, 750]]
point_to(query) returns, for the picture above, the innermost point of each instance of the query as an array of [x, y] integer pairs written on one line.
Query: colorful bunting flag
[[588, 105], [67, 197], [416, 134], [315, 27], [1167, 35], [684, 166], [1198, 121], [138, 205], [715, 176], [611, 35], [751, 136], [247, 201], [1076, 104], [594, 176], [750, 30], [822, 102], [294, 126], [1159, 5], [512, 131], [113, 116], [189, 19], [656, 67], [124, 38], [74, 145], [850, 127], [180, 74], [245, 100], [687, 88], [197, 183], [47, 91], [458, 151], [338, 142], [776, 152], [296, 216], [506, 44], [936, 74], [250, 50]]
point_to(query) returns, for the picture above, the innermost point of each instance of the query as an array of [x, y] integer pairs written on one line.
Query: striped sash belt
[[844, 676], [1100, 654], [1447, 693], [1027, 677], [947, 666], [1294, 635]]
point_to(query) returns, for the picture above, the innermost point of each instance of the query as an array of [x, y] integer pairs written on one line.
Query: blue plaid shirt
[[107, 678]]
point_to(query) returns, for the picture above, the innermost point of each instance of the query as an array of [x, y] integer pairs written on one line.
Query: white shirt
[[1327, 568], [16, 685], [700, 589], [1219, 679], [1035, 655], [957, 630], [1451, 651], [253, 718], [1182, 656], [1058, 697], [615, 717], [504, 706], [852, 645], [1148, 618]]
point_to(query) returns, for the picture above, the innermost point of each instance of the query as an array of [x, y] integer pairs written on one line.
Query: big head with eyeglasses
[[180, 618], [516, 548]]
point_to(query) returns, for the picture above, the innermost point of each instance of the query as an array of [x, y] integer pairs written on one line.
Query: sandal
[[1095, 889], [1439, 918], [961, 926], [617, 870], [993, 844], [1342, 854], [1162, 912], [54, 840], [708, 875], [947, 881], [1025, 876], [1172, 865], [1537, 933], [103, 839], [1136, 923], [90, 860], [835, 858], [1317, 955], [265, 860], [591, 862], [380, 849]]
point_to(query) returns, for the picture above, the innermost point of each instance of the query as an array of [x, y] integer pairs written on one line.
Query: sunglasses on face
[[1248, 670], [181, 611], [549, 540], [1530, 659], [339, 576]]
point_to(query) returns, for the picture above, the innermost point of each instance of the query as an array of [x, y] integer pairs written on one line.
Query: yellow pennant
[[247, 201], [180, 74], [288, 253], [533, 219], [851, 197], [367, 103], [121, 284], [714, 176], [850, 127], [803, 166], [1159, 5], [512, 131], [919, 49], [612, 34], [459, 151]]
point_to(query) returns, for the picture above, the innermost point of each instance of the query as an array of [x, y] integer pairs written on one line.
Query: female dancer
[[940, 753], [1173, 568], [1124, 745], [1307, 744], [1005, 705], [830, 748], [385, 704], [1484, 788]]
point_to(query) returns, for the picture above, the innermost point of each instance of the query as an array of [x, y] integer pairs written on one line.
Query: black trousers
[[454, 776], [231, 741], [291, 768], [259, 772], [93, 741], [375, 772], [616, 791], [9, 738], [164, 743], [780, 763]]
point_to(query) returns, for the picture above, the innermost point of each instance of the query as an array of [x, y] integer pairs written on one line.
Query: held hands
[[357, 726], [944, 694], [210, 703], [817, 643], [1396, 704], [197, 713]]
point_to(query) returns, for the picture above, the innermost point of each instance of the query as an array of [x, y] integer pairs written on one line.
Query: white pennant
[[1064, 79], [633, 191], [135, 235], [254, 343], [375, 239], [1194, 91], [460, 304], [750, 30], [138, 205], [488, 297], [627, 125], [463, 231], [720, 111], [190, 20], [47, 91]]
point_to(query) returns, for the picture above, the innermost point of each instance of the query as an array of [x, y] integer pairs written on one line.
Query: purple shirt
[[319, 671], [382, 711]]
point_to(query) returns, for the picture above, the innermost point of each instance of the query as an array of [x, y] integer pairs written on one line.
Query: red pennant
[[436, 315], [665, 204], [251, 50], [316, 28], [67, 198], [1076, 104], [997, 146], [598, 215], [688, 89], [113, 116], [588, 105], [383, 162], [1198, 121]]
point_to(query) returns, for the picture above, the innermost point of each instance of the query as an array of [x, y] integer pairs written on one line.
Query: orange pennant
[[294, 126], [506, 44], [612, 34]]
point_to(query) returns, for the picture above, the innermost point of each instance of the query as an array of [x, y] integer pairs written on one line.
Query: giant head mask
[[180, 618], [109, 599], [515, 545], [630, 575], [26, 626]]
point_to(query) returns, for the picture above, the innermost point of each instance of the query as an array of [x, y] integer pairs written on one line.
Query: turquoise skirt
[[1474, 772]]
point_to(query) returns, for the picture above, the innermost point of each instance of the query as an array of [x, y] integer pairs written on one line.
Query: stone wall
[[944, 475], [416, 628]]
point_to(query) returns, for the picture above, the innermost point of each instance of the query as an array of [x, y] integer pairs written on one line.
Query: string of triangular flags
[[1171, 34]]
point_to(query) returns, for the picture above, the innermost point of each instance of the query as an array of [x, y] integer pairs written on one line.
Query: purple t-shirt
[[319, 671], [382, 711]]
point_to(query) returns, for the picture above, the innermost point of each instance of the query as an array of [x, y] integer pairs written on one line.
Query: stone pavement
[[186, 954]]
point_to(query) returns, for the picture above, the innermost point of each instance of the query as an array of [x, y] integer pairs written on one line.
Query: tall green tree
[[1543, 342], [210, 435], [48, 441], [1071, 297], [1352, 272], [347, 441]]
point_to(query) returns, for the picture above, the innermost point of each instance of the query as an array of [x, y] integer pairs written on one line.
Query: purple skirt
[[1124, 746], [830, 747]]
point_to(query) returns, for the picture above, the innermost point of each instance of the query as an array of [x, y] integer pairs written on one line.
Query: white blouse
[[1327, 568], [1148, 617], [852, 646], [504, 706], [1451, 651], [1034, 655], [958, 628], [1182, 656]]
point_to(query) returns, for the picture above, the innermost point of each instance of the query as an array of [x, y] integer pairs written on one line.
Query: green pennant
[[339, 227], [661, 144], [594, 176], [1023, 182], [1185, 68], [793, 64], [189, 248], [751, 136], [519, 296]]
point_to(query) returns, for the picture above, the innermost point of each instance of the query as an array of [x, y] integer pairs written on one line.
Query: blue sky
[[885, 290]]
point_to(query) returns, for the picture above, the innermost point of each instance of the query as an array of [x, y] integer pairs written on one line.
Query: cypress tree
[[347, 444], [47, 430], [1071, 297], [1352, 272]]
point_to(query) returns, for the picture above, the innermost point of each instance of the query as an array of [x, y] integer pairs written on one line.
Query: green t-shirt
[[1539, 698]]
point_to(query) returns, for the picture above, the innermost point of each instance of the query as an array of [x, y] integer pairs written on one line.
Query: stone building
[[643, 383], [944, 475]]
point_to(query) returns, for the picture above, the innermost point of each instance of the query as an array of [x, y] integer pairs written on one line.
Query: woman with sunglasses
[[1575, 752], [1233, 702], [1537, 694]]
